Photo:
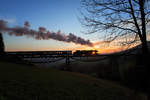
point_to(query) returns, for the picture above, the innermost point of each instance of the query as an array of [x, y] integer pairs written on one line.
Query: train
[[85, 53], [54, 53]]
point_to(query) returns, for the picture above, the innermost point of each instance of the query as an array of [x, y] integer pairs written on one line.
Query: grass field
[[22, 82]]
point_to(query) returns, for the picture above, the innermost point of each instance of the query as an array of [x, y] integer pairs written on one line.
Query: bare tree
[[122, 19]]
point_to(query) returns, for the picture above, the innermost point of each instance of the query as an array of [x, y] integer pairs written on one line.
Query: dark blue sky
[[52, 14], [41, 12]]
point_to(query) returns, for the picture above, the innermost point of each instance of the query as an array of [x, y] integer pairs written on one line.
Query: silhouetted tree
[[2, 47], [121, 18], [127, 20]]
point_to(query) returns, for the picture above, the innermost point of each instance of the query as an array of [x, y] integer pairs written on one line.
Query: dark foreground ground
[[23, 82]]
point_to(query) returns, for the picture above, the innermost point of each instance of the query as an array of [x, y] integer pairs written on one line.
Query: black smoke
[[42, 34]]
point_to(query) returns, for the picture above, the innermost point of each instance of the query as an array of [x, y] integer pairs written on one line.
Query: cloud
[[9, 20]]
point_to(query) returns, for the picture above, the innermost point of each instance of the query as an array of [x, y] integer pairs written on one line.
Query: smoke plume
[[42, 34]]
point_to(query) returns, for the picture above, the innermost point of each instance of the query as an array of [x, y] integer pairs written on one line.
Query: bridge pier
[[67, 60], [67, 67]]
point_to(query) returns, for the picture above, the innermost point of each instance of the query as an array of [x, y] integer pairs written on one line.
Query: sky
[[54, 15]]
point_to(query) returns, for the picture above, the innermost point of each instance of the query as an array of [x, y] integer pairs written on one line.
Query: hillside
[[19, 82]]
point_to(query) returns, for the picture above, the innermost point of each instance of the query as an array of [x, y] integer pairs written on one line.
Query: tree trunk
[[146, 64], [144, 48]]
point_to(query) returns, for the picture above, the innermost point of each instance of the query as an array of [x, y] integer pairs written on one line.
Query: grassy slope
[[19, 82]]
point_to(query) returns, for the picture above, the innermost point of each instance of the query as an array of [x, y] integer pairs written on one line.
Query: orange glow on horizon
[[100, 49]]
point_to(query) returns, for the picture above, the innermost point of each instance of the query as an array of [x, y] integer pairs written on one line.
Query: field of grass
[[22, 82]]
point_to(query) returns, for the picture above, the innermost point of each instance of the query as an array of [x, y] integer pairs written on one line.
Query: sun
[[96, 47]]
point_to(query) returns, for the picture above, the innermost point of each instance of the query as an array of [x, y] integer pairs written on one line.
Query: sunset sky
[[54, 15]]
